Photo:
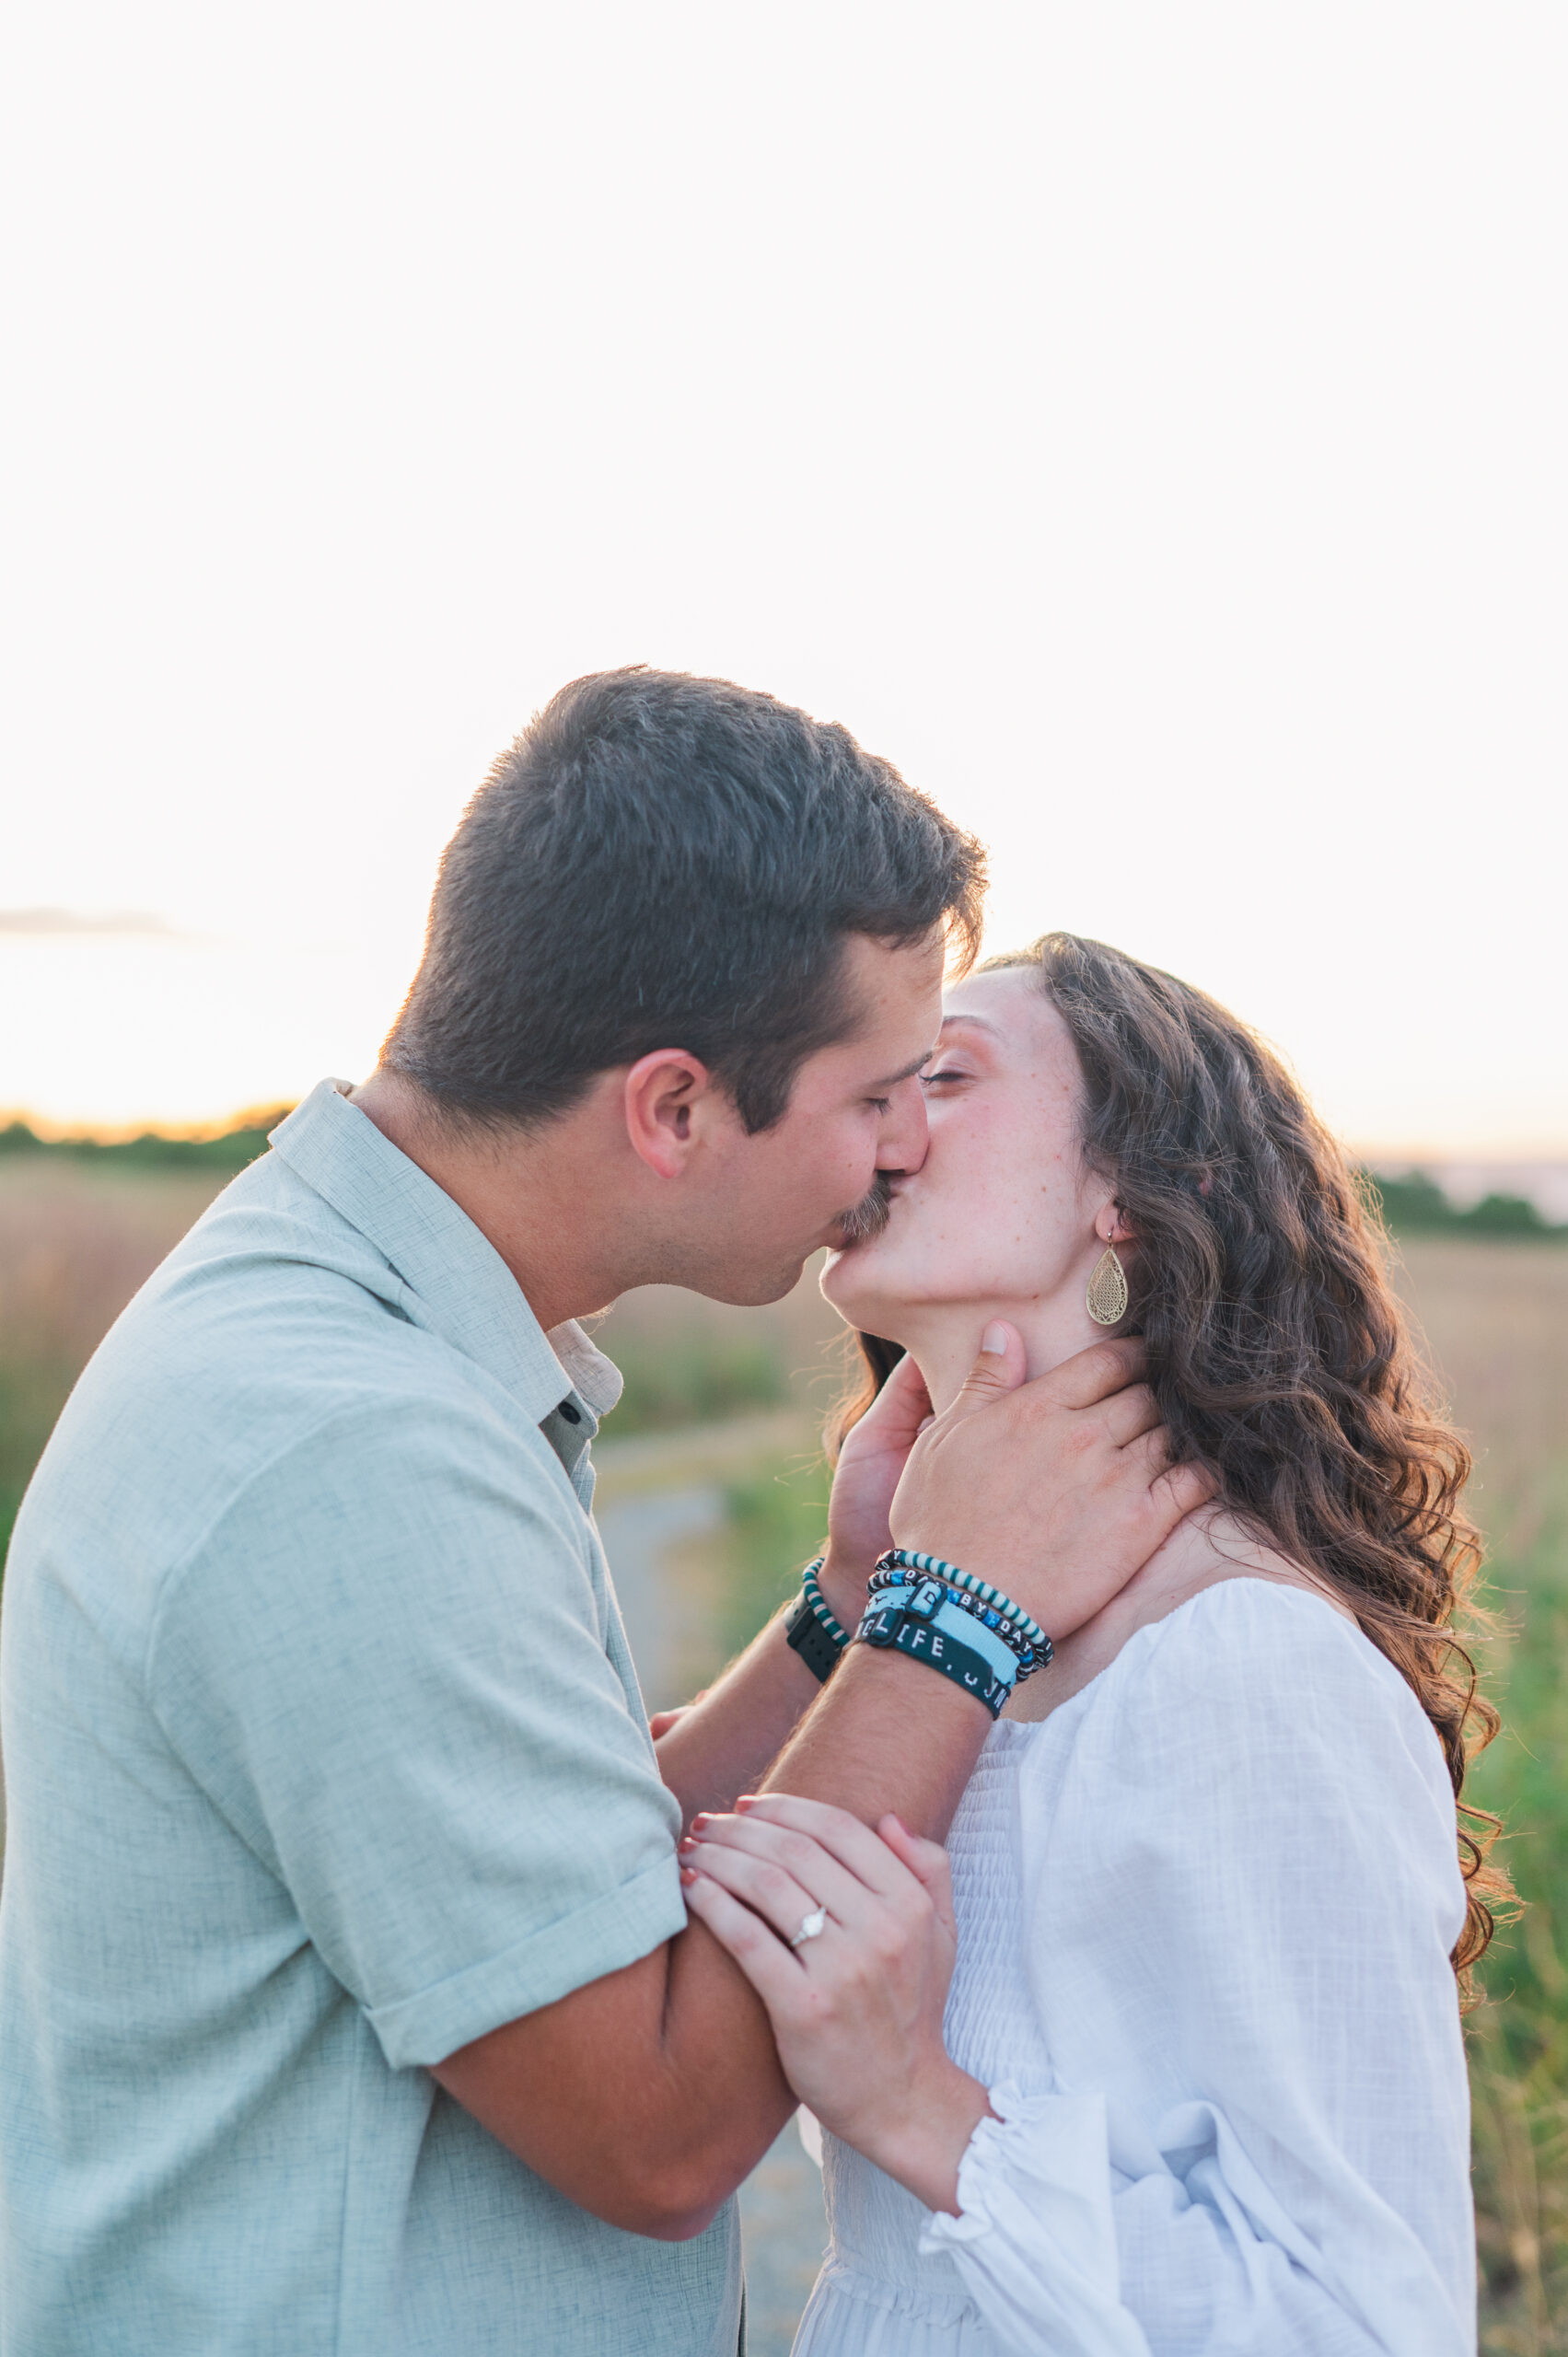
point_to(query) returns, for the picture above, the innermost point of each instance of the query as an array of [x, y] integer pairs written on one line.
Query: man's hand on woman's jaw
[[1056, 1490], [870, 1465]]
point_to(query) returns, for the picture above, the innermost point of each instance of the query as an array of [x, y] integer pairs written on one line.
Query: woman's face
[[1002, 1210]]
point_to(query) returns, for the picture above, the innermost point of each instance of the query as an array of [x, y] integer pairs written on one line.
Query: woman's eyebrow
[[978, 1022]]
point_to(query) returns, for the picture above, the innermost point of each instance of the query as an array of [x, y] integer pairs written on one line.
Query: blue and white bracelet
[[933, 1610], [903, 1568]]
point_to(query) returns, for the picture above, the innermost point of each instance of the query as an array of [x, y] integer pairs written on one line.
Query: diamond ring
[[812, 1928]]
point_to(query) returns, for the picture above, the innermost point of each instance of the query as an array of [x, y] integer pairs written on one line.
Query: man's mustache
[[870, 1215]]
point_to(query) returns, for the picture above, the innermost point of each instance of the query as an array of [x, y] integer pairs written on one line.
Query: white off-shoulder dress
[[1204, 1915]]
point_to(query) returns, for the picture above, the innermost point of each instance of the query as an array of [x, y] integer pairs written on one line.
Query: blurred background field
[[711, 1495]]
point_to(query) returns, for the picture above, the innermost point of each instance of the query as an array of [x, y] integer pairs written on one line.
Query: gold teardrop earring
[[1106, 1299]]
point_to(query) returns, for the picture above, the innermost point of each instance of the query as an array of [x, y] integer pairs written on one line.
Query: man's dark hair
[[668, 862]]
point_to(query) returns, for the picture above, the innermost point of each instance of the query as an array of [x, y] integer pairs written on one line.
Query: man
[[346, 1998]]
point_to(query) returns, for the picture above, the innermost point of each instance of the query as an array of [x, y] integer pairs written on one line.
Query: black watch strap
[[804, 1633]]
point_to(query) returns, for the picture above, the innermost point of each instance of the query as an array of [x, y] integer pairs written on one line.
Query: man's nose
[[905, 1136]]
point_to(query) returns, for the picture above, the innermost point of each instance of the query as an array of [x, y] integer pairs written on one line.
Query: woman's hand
[[856, 2011], [869, 1465]]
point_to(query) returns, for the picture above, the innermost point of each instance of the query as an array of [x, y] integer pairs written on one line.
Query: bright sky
[[1142, 424]]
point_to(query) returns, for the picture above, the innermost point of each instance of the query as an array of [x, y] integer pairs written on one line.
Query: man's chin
[[752, 1288]]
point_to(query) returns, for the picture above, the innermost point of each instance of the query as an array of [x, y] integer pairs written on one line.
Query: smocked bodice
[[992, 2031]]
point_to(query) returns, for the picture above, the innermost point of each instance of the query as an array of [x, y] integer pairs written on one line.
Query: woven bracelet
[[892, 1625]]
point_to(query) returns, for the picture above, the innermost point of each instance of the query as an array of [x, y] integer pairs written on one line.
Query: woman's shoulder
[[1250, 1730], [1256, 1636], [1248, 1614], [1253, 1669]]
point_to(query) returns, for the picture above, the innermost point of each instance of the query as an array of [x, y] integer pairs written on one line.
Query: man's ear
[[661, 1092]]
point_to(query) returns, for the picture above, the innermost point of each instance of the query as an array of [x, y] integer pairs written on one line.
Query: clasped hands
[[856, 2012], [1056, 1490]]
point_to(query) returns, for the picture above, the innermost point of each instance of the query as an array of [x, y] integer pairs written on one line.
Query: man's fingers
[[1130, 1413], [1093, 1373], [1150, 1449], [1174, 1489], [998, 1369], [1184, 1488]]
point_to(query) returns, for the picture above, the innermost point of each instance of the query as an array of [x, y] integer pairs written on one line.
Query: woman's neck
[[944, 1338]]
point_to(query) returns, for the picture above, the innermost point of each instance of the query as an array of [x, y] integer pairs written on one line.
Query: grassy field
[[76, 1240], [1496, 1317]]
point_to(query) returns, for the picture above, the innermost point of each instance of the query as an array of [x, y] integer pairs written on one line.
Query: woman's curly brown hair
[[1278, 1351]]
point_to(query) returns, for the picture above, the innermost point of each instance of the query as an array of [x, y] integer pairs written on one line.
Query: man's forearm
[[884, 1733], [888, 1733], [696, 2095]]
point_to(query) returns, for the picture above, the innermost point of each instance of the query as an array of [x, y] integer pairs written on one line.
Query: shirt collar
[[466, 1291]]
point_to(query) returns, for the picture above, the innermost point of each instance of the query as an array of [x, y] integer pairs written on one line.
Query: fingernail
[[688, 1874], [685, 1843], [744, 1801], [699, 1821], [994, 1341]]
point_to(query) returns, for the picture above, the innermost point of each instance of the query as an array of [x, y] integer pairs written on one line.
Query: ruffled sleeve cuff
[[1034, 2240]]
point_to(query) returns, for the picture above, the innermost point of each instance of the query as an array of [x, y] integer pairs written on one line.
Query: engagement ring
[[812, 1928]]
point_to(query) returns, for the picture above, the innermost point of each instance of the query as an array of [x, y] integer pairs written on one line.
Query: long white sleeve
[[1241, 1890]]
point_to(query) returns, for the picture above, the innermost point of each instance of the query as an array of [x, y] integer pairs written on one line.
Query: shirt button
[[572, 1415]]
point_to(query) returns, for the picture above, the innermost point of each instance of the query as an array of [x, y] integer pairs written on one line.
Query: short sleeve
[[386, 1666]]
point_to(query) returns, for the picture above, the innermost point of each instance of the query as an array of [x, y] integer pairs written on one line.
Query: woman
[[1203, 2085]]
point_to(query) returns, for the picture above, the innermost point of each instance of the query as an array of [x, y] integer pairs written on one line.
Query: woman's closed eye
[[943, 1073]]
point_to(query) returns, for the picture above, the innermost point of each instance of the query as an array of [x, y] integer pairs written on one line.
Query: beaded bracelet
[[993, 1615], [1011, 1620], [986, 1625], [810, 1629], [888, 1587]]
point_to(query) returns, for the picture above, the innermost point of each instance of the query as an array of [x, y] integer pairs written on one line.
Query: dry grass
[[75, 1245], [1495, 1318]]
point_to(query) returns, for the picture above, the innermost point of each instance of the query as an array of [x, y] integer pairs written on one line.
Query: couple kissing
[[1082, 1847]]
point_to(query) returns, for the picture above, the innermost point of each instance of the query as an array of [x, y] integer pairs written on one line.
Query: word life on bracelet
[[903, 1568], [810, 1629], [927, 1627]]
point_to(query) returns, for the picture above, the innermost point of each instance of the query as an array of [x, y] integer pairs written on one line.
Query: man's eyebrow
[[909, 1071]]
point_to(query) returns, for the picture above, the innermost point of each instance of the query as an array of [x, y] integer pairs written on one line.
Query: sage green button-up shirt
[[324, 1755]]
